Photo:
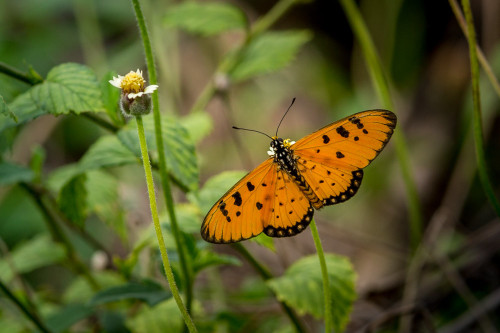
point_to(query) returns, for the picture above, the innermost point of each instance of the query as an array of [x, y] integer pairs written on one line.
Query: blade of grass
[[382, 88], [477, 117]]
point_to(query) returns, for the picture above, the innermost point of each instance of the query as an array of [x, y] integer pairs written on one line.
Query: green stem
[[156, 221], [477, 117], [38, 323], [326, 282], [165, 182], [58, 235], [382, 89], [266, 275], [17, 74]]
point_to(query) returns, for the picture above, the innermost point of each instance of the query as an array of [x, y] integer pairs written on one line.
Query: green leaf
[[165, 317], [206, 258], [269, 53], [107, 151], [68, 87], [302, 288], [67, 316], [103, 200], [198, 125], [36, 162], [73, 199], [205, 19], [80, 291], [13, 173], [214, 188], [265, 241], [110, 97], [147, 291], [40, 251], [179, 149], [5, 111]]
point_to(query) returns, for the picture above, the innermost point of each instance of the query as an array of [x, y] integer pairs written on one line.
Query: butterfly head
[[279, 148]]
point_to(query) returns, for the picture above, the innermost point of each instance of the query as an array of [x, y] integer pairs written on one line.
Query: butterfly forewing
[[241, 212]]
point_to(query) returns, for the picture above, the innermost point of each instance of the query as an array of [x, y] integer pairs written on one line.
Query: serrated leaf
[[214, 188], [63, 319], [73, 199], [179, 151], [301, 287], [269, 53], [40, 251], [147, 291], [165, 317], [68, 88], [205, 18], [102, 199], [198, 125], [13, 173], [5, 111]]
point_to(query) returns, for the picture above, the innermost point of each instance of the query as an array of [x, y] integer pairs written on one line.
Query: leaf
[[5, 111], [198, 125], [302, 288], [110, 97], [107, 151], [103, 200], [179, 152], [80, 291], [40, 251], [214, 188], [165, 317], [68, 87], [188, 218], [73, 199], [269, 53], [67, 317], [147, 291], [205, 19], [13, 173]]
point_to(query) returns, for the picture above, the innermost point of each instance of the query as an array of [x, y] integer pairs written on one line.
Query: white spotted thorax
[[287, 143]]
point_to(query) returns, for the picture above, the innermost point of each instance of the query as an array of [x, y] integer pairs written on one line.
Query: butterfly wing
[[241, 212], [331, 158], [291, 212]]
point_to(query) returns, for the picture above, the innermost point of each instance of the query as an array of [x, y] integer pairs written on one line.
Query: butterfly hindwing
[[291, 212], [241, 213]]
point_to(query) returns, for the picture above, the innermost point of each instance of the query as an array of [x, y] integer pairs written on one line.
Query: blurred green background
[[424, 54]]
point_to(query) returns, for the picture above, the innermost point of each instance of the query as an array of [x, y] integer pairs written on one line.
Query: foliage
[[79, 251]]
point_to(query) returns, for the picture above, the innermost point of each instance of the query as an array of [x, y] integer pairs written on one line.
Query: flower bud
[[137, 106]]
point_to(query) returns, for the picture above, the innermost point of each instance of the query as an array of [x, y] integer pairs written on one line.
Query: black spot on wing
[[237, 198], [326, 139], [339, 154], [258, 205], [293, 230], [250, 186], [342, 132], [351, 190]]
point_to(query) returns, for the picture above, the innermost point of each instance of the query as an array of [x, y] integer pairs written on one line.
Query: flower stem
[[326, 282], [477, 116], [31, 316], [382, 88], [156, 221], [162, 163]]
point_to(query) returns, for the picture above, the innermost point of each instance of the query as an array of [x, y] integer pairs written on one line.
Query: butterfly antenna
[[251, 130], [293, 101]]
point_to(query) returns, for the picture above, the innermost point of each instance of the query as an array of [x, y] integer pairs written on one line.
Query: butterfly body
[[280, 195]]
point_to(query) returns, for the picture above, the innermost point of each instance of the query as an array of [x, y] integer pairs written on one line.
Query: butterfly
[[279, 196]]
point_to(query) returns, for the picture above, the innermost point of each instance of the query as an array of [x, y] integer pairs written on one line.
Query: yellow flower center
[[132, 83]]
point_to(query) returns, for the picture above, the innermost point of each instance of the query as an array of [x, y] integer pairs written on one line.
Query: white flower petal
[[135, 95], [117, 81], [150, 89]]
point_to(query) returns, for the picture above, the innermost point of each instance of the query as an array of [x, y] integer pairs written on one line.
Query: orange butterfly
[[321, 169]]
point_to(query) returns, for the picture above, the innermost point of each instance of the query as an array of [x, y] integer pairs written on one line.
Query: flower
[[135, 99], [132, 84]]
